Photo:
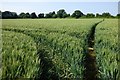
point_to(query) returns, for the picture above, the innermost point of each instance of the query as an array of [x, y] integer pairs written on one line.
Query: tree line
[[59, 14]]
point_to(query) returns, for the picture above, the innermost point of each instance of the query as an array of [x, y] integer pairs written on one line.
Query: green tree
[[41, 15], [65, 15], [98, 15], [61, 13], [27, 15], [33, 15], [68, 15], [22, 15], [54, 16], [118, 15], [53, 12], [9, 15], [106, 15], [50, 14], [0, 14], [77, 14], [90, 15]]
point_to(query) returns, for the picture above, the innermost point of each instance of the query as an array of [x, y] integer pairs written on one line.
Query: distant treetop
[[59, 14]]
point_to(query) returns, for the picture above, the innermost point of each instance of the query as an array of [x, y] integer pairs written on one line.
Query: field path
[[91, 70]]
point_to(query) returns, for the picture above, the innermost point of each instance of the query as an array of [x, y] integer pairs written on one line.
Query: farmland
[[56, 48], [107, 48], [19, 55]]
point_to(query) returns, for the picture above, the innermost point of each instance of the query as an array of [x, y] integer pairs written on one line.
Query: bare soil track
[[91, 70]]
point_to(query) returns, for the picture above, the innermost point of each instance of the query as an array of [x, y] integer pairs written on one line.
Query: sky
[[70, 7], [59, 0]]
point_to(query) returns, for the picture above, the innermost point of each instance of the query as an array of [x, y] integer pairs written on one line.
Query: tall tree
[[22, 15], [65, 15], [68, 15], [14, 14], [9, 15], [106, 15], [54, 16], [61, 13], [48, 16], [0, 14], [27, 15], [41, 15], [33, 15], [118, 15], [51, 15], [77, 14]]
